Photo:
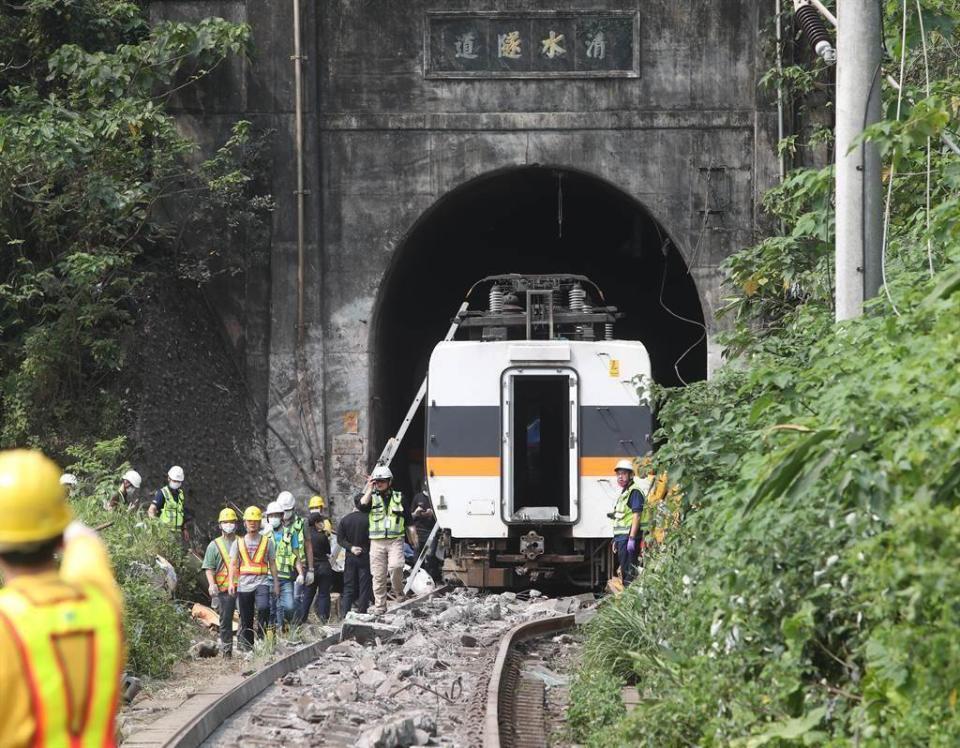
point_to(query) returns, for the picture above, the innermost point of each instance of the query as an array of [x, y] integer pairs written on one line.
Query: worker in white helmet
[[169, 503], [289, 565], [294, 524], [387, 522], [123, 496], [69, 483], [626, 515]]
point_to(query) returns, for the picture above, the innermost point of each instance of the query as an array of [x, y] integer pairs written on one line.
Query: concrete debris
[[421, 737], [204, 649], [310, 709], [367, 633], [399, 733], [549, 678], [468, 641], [508, 597], [372, 678], [130, 686], [563, 639], [534, 594], [346, 691], [344, 647], [450, 615], [490, 613], [585, 616], [291, 679]]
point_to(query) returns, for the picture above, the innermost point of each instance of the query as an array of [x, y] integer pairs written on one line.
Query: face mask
[[275, 523], [287, 516], [175, 484], [131, 489], [228, 528]]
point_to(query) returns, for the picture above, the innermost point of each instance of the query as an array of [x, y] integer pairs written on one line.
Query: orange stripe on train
[[489, 467]]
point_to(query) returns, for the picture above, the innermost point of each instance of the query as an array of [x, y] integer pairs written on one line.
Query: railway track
[[454, 677], [515, 716]]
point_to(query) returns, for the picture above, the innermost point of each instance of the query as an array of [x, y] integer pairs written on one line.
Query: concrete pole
[[859, 190]]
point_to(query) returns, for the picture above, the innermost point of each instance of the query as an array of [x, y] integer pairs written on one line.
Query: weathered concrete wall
[[691, 139]]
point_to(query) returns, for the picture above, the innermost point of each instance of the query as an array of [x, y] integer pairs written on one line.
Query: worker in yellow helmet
[[61, 630], [217, 566]]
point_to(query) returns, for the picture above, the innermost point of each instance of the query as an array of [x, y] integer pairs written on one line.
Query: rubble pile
[[414, 677]]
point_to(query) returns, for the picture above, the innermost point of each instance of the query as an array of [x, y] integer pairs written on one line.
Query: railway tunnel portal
[[447, 140], [526, 220]]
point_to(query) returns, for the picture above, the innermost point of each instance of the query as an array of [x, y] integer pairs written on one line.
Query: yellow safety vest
[[172, 512], [74, 705], [256, 565], [623, 514], [386, 522], [222, 575]]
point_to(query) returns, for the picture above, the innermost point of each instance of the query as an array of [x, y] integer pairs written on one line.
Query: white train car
[[524, 424]]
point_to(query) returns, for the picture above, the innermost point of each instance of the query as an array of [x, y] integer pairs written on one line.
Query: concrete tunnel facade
[[425, 169]]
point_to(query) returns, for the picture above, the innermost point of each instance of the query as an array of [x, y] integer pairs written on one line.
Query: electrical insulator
[[577, 297], [608, 330], [814, 29], [496, 300]]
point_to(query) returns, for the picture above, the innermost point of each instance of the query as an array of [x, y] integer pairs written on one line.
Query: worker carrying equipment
[[54, 694]]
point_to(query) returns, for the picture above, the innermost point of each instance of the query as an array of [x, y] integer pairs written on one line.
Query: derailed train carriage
[[526, 416]]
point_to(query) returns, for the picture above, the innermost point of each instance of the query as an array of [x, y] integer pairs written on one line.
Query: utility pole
[[859, 189]]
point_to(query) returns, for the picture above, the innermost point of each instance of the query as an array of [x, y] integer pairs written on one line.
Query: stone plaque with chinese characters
[[544, 44]]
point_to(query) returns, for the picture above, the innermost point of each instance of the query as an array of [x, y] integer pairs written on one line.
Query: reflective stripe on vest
[[386, 523], [285, 554], [71, 651], [172, 512], [256, 565], [622, 513], [222, 576]]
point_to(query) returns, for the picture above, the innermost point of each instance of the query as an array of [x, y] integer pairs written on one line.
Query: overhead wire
[[893, 167], [926, 76]]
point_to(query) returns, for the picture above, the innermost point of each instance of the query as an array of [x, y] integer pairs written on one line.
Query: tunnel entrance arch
[[527, 220]]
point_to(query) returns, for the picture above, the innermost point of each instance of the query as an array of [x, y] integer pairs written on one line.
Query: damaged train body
[[526, 415]]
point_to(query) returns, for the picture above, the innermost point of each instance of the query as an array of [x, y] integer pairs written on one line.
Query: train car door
[[540, 455]]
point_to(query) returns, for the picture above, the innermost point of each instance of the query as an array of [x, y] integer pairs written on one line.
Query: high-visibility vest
[[622, 513], [172, 512], [222, 575], [74, 707], [285, 552], [386, 521], [297, 527], [258, 564]]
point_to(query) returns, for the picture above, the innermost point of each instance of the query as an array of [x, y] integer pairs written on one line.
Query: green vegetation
[[810, 596], [88, 156], [157, 628]]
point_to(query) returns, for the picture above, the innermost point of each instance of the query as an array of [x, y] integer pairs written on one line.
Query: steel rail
[[496, 690], [202, 725]]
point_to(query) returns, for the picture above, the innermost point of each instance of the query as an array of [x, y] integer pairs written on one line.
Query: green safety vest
[[172, 512], [285, 554], [296, 527], [623, 514], [386, 522]]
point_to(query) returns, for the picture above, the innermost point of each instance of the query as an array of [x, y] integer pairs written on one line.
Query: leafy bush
[[810, 597], [87, 153]]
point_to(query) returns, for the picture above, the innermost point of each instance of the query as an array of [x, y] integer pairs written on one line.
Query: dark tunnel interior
[[531, 220]]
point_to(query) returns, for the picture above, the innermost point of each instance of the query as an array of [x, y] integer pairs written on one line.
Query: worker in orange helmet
[[61, 631]]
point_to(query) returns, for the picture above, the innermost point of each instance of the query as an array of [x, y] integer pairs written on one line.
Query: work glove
[[300, 579], [356, 550], [213, 590], [631, 546], [308, 578]]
